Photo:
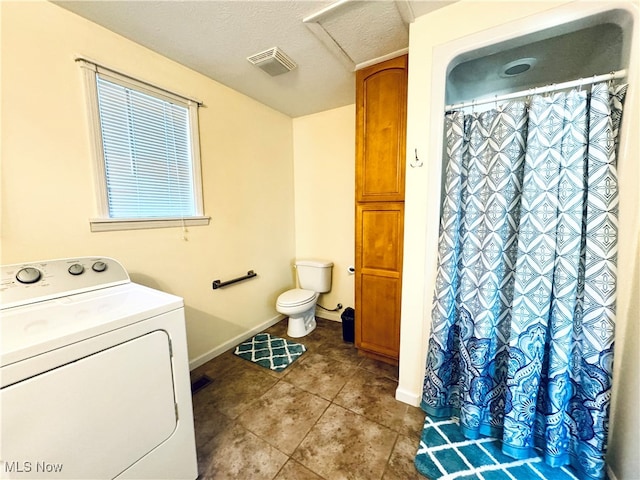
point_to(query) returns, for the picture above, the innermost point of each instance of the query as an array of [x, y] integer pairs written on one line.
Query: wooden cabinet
[[381, 97], [379, 277], [381, 126]]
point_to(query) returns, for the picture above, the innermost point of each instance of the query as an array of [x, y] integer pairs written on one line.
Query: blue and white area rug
[[270, 352], [445, 454]]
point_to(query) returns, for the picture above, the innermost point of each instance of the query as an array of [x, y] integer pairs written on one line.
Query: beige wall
[[324, 166], [623, 456], [48, 192], [453, 30]]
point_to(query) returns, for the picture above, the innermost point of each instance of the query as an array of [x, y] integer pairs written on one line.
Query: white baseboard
[[219, 350], [406, 396]]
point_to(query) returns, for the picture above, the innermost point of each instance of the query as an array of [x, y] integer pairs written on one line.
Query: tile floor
[[330, 415]]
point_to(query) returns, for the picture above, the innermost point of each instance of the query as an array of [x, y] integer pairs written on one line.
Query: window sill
[[111, 225]]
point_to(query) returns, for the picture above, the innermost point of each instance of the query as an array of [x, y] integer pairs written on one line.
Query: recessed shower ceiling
[[554, 56]]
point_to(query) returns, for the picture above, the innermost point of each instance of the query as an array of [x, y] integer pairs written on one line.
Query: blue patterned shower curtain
[[521, 344]]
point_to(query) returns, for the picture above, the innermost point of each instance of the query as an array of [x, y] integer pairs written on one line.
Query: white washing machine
[[94, 375]]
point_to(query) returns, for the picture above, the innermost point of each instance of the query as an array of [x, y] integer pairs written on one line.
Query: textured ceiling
[[215, 37], [366, 30]]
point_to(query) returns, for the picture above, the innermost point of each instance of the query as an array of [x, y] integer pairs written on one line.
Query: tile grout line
[[388, 462], [358, 366], [307, 434]]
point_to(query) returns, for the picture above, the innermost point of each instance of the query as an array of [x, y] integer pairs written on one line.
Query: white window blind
[[146, 142], [147, 154]]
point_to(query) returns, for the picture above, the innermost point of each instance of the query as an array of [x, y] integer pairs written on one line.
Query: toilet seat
[[296, 297]]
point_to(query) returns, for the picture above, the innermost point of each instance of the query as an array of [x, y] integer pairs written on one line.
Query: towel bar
[[220, 284]]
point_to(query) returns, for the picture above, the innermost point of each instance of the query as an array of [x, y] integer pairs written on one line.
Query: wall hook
[[417, 162]]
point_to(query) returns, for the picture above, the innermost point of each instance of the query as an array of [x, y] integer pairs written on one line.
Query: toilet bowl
[[299, 304]]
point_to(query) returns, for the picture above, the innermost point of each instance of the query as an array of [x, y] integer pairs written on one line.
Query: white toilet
[[299, 304]]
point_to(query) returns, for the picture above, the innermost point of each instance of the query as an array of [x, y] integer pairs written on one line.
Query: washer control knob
[[99, 267], [76, 269], [28, 275]]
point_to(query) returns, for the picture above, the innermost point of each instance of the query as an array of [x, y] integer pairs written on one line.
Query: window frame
[[103, 222]]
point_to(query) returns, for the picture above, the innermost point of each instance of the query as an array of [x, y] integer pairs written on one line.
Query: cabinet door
[[379, 240], [381, 124]]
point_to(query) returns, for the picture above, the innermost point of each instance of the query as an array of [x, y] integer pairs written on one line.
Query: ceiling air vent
[[273, 61]]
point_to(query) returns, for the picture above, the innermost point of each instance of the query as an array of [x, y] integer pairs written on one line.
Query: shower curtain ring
[[548, 90]]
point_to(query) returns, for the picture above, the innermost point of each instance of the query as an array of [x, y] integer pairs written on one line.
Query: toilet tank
[[314, 275]]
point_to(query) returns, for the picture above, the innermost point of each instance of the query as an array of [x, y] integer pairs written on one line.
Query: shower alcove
[[475, 51], [579, 49]]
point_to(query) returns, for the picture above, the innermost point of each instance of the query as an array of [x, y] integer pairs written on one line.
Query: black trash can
[[348, 319]]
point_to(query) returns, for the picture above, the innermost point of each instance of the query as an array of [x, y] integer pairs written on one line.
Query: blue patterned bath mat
[[270, 352], [445, 454]]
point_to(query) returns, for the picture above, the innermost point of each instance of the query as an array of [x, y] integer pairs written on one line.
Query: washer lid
[[30, 330], [295, 297]]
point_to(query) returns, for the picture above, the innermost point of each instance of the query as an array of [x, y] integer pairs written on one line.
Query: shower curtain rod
[[534, 91]]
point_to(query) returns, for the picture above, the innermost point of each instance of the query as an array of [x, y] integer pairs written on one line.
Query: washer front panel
[[91, 418]]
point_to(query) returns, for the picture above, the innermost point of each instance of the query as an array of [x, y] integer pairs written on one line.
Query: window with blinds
[[146, 140]]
